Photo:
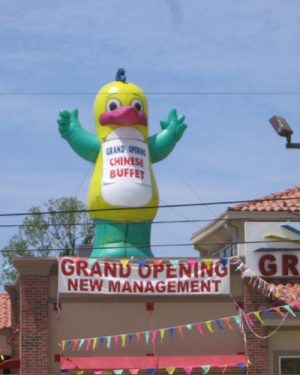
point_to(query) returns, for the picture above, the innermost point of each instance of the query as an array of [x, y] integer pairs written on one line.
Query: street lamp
[[283, 129]]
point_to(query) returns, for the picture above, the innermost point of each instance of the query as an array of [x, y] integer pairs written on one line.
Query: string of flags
[[257, 282], [170, 370], [151, 336]]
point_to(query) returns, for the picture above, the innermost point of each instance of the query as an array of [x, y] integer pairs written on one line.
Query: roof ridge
[[272, 202]]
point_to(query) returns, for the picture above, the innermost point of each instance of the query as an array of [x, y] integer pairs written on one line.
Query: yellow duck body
[[123, 186]]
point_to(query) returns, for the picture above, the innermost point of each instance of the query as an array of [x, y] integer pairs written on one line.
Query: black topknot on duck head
[[120, 76]]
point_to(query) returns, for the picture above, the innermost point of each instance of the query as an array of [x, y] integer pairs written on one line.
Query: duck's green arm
[[85, 144], [162, 143]]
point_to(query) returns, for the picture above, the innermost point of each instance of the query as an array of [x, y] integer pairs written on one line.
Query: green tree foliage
[[58, 228]]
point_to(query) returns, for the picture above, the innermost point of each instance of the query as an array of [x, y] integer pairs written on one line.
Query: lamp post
[[283, 129]]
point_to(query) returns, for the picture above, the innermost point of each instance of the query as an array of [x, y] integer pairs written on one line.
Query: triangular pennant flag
[[171, 331], [257, 315], [118, 372], [151, 371], [180, 330], [75, 344], [63, 345], [157, 262], [206, 369], [289, 309], [248, 319], [88, 344], [124, 262], [277, 292], [130, 337], [174, 262], [79, 372], [108, 341], [69, 344], [208, 263], [153, 336], [200, 329], [219, 324], [277, 309], [191, 262], [267, 313], [133, 371], [208, 324], [255, 282], [147, 336], [123, 340], [237, 319], [101, 341], [240, 266], [81, 343], [116, 340], [94, 345], [189, 326], [227, 321], [98, 372], [142, 262], [259, 284], [188, 370], [138, 335], [296, 305], [241, 366], [162, 333], [224, 261], [170, 370]]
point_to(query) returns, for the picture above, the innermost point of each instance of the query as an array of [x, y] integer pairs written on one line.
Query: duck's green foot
[[119, 240]]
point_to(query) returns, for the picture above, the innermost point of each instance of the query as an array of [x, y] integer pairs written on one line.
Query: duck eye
[[113, 104], [137, 104]]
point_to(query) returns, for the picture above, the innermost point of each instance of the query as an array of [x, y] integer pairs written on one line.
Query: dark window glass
[[289, 365]]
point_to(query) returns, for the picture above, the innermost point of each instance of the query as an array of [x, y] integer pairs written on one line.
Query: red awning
[[148, 362], [10, 363]]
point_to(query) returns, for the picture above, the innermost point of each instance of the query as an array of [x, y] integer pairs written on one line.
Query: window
[[289, 365], [225, 252]]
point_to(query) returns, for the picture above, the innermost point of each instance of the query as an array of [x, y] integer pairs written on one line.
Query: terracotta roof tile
[[5, 311], [284, 201], [291, 292]]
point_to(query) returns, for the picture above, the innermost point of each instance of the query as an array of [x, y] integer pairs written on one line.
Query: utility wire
[[213, 203], [183, 221], [146, 245], [158, 93]]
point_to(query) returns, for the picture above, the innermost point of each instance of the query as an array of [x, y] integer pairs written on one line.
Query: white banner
[[125, 159], [191, 277]]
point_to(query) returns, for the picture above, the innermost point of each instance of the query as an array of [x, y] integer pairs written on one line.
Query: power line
[[213, 203], [143, 245], [184, 221], [159, 93]]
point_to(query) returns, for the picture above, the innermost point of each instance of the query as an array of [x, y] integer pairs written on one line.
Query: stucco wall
[[84, 316]]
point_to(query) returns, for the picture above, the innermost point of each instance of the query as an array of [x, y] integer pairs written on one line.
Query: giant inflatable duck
[[123, 195]]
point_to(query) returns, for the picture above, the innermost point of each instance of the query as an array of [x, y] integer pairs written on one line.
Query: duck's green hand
[[67, 122], [174, 124], [85, 144]]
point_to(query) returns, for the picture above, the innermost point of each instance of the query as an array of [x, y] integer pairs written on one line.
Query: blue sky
[[227, 65]]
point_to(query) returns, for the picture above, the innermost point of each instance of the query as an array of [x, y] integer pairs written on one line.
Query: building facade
[[253, 325]]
